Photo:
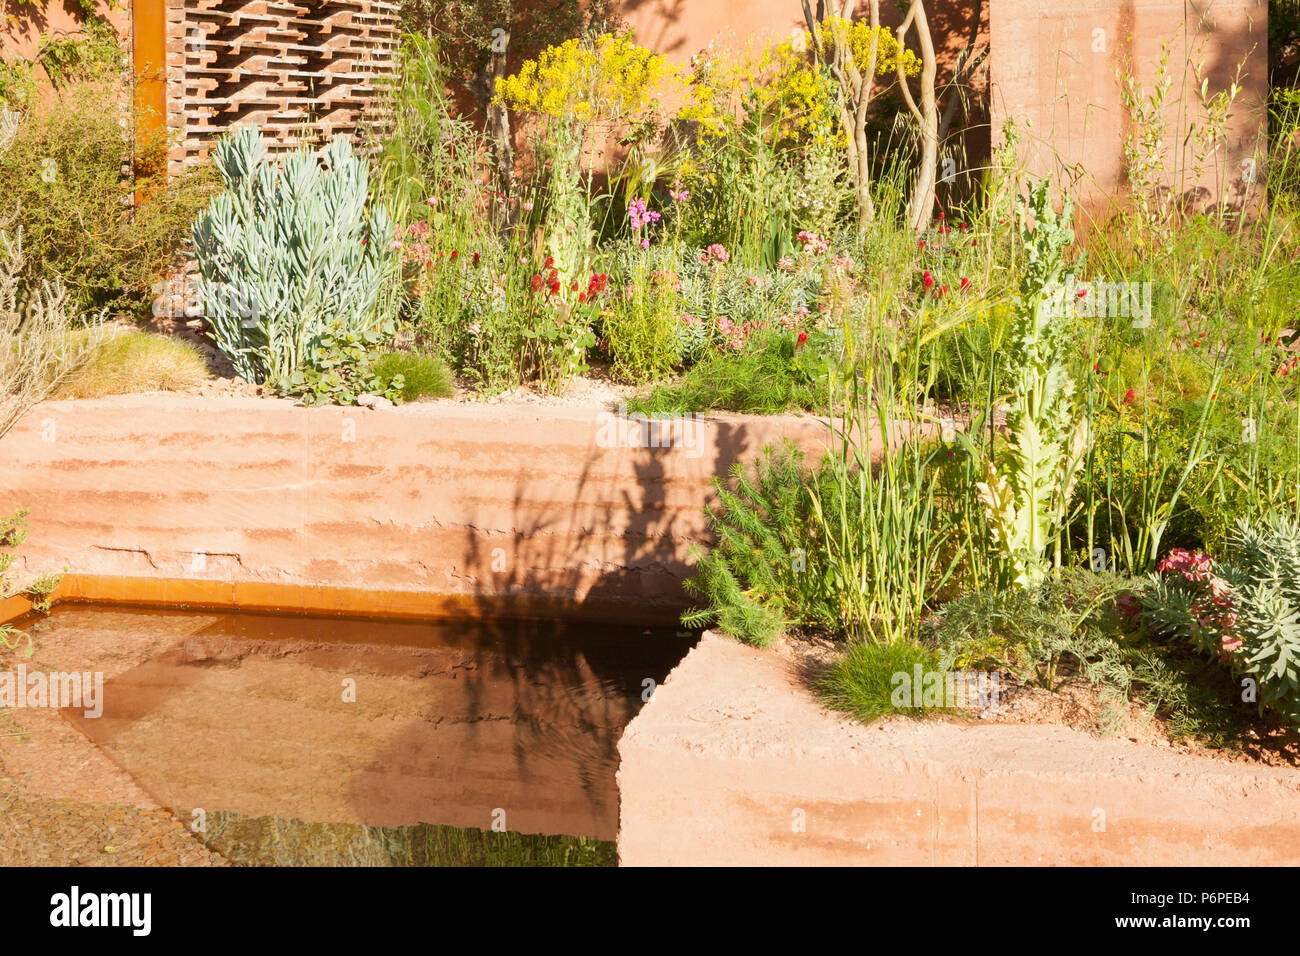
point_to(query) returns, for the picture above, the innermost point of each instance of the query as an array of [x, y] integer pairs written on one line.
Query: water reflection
[[379, 724]]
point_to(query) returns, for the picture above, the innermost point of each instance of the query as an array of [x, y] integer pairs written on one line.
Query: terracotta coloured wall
[[1055, 67], [248, 500], [21, 36], [1050, 66]]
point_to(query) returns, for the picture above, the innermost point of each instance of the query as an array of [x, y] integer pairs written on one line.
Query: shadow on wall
[[1061, 71], [28, 25], [603, 541], [565, 547]]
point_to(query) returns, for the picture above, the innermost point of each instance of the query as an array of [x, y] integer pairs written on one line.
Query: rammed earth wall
[[734, 762], [263, 503]]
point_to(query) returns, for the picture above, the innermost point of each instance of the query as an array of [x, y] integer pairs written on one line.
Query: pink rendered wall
[[1055, 68]]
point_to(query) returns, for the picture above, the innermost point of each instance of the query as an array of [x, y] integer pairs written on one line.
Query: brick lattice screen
[[300, 72]]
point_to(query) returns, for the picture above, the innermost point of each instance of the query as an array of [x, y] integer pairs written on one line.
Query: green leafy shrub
[[1244, 611], [287, 252], [423, 376], [340, 368], [13, 532], [62, 182], [1027, 486], [1065, 621], [761, 577], [641, 328], [1076, 624]]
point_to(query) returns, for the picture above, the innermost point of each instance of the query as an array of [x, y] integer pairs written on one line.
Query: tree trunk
[[496, 121], [856, 84], [926, 116]]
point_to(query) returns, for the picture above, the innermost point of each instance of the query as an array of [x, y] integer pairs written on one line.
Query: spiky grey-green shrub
[[288, 251], [1252, 598]]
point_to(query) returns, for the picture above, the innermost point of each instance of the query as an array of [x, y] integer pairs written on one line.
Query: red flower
[[582, 297], [927, 280], [454, 254], [803, 338], [476, 258], [555, 287], [537, 283], [920, 244], [943, 290], [1129, 396], [549, 263], [965, 284]]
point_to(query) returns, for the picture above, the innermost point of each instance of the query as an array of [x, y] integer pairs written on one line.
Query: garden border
[[734, 762]]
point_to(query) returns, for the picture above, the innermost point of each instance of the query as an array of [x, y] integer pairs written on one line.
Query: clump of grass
[[132, 361], [863, 683], [423, 376], [776, 377]]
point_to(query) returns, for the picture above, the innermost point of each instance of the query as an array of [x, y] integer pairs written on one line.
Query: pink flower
[[842, 262], [733, 334], [785, 264], [1193, 565], [679, 195], [715, 253], [640, 215], [813, 244]]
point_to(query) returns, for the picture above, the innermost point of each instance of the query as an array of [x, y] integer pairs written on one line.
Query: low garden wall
[[407, 510], [733, 762]]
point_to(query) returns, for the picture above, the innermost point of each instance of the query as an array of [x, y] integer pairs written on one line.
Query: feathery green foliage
[[756, 581]]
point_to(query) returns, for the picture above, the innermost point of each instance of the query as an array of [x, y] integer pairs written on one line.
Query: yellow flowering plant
[[791, 74], [606, 80], [581, 81]]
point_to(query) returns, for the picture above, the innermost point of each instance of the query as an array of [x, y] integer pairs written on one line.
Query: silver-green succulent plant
[[288, 251]]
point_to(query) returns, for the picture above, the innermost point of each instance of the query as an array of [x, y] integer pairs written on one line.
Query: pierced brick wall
[[301, 72]]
